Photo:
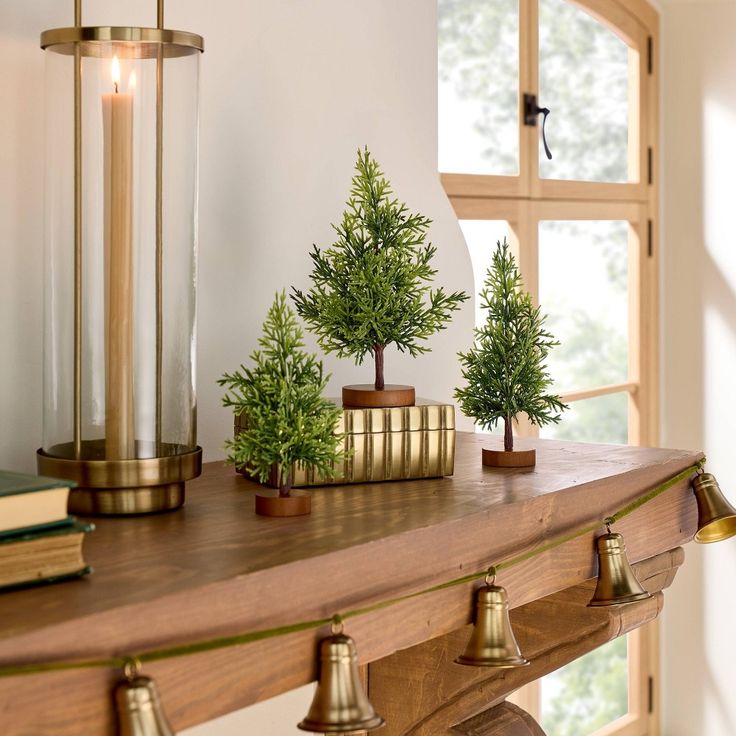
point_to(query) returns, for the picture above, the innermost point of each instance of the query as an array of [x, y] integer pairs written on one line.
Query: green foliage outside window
[[594, 349], [470, 34], [590, 692]]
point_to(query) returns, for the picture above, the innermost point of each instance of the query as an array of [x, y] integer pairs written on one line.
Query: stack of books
[[39, 541]]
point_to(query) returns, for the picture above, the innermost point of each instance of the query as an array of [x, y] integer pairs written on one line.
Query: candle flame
[[115, 71], [131, 81]]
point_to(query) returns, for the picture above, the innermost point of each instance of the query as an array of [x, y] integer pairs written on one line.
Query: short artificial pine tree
[[505, 369], [371, 288], [287, 419]]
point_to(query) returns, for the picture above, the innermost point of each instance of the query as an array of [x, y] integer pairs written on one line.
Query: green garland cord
[[208, 645]]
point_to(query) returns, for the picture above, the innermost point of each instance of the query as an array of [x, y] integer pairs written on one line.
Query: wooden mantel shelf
[[214, 568]]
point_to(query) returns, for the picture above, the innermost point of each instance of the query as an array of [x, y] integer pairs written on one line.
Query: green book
[[36, 529], [42, 556], [47, 581], [31, 501]]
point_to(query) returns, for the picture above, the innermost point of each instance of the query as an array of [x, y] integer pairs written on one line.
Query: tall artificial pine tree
[[505, 369], [287, 420], [371, 288]]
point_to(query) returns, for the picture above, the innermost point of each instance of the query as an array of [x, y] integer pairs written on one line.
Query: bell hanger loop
[[337, 625], [132, 668]]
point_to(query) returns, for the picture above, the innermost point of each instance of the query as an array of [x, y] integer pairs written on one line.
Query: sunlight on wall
[[719, 165], [699, 348], [719, 405], [719, 325]]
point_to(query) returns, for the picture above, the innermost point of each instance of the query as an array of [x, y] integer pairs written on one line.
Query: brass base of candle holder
[[121, 487], [126, 501]]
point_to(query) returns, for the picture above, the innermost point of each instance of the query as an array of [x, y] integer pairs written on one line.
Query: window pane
[[478, 46], [583, 287], [583, 79], [602, 419], [588, 693], [481, 237]]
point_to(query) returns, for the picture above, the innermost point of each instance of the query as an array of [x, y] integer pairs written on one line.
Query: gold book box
[[390, 444]]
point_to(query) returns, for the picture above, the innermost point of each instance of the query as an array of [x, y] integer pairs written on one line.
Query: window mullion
[[528, 83]]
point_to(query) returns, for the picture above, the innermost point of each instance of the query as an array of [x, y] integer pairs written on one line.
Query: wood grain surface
[[505, 719], [215, 568]]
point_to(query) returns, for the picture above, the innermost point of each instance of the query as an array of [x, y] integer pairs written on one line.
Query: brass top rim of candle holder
[[131, 42]]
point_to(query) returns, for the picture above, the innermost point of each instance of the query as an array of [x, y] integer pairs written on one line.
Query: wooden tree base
[[514, 459], [365, 396], [269, 503]]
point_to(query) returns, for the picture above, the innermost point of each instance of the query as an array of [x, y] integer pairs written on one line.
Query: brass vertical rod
[[77, 237], [160, 13], [159, 230]]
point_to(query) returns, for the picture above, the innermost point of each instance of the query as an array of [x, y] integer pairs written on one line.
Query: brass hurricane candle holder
[[121, 241]]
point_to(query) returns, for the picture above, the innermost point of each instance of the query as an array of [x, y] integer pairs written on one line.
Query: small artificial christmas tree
[[371, 288], [505, 369], [287, 420]]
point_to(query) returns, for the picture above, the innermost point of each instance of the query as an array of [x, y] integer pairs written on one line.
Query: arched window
[[584, 227]]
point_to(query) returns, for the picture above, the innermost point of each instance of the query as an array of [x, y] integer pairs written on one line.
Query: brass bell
[[716, 516], [139, 707], [617, 583], [492, 643], [340, 704]]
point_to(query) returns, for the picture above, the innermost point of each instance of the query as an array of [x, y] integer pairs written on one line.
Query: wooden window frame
[[526, 199]]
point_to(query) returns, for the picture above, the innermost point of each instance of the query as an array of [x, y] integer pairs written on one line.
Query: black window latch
[[531, 113]]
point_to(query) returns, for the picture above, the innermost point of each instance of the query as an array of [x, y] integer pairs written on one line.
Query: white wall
[[699, 355], [290, 89]]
